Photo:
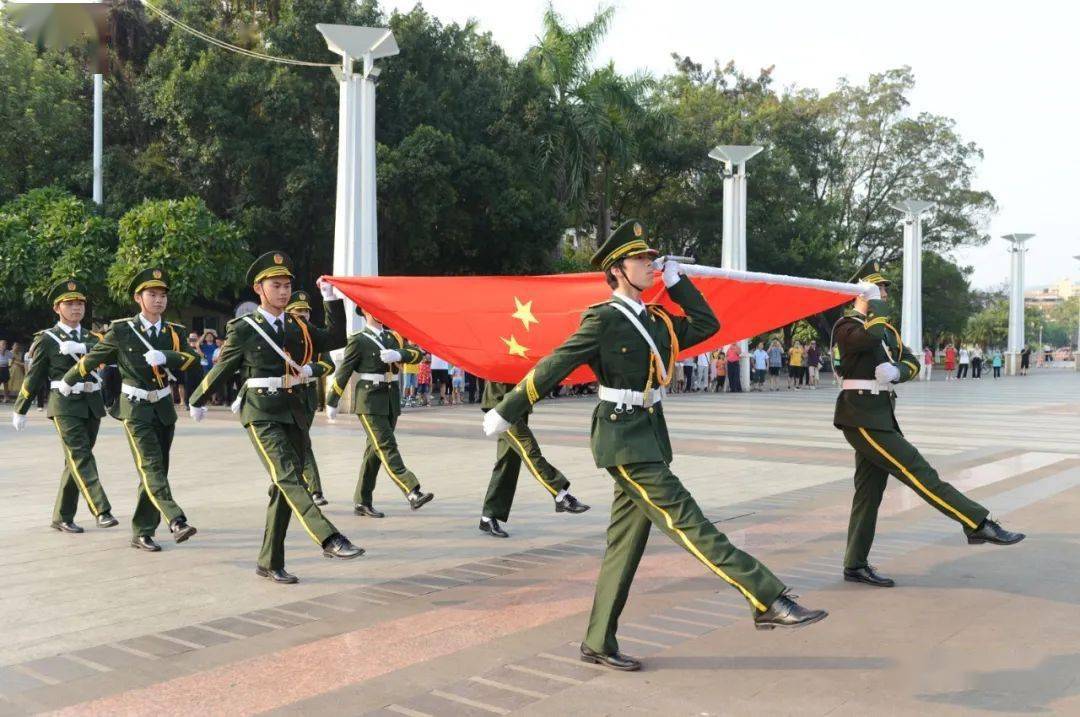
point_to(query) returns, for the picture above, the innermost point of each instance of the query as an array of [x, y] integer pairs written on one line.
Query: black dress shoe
[[492, 528], [278, 575], [785, 612], [145, 542], [570, 504], [417, 498], [616, 661], [367, 511], [990, 532], [106, 520], [318, 499], [338, 546], [66, 526], [181, 530], [869, 576]]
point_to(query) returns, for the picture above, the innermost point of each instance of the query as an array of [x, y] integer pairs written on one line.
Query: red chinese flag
[[498, 327]]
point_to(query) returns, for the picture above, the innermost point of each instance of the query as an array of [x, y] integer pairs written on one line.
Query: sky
[[1005, 71]]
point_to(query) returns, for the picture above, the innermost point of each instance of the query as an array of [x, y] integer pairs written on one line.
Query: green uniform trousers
[[281, 447], [381, 450], [311, 468], [879, 454], [515, 445], [80, 475], [647, 493], [150, 443]]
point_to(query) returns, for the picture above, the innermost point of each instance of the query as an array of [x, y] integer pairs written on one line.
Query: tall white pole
[[99, 133], [733, 249], [911, 332], [1076, 353], [355, 237], [1016, 300], [369, 243]]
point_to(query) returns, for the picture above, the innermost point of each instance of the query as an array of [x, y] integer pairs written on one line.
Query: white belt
[[856, 384], [139, 394], [82, 387], [378, 377], [625, 397], [274, 383]]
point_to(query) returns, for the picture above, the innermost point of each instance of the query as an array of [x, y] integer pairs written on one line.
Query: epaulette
[[39, 333], [599, 303], [230, 322]]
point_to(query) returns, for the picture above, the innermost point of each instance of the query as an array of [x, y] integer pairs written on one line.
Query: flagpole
[[758, 277]]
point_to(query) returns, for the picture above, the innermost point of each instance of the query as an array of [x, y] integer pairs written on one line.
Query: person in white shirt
[[965, 361], [760, 359], [440, 379]]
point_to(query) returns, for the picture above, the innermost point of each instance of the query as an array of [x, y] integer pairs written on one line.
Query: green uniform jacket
[[620, 358], [362, 356], [865, 342], [249, 353], [123, 346], [50, 365], [323, 366], [493, 393]]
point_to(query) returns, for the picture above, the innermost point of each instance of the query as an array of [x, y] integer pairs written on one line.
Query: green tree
[[47, 235], [203, 255], [44, 117]]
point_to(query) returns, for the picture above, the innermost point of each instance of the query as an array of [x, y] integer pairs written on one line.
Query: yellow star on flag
[[524, 313], [514, 347]]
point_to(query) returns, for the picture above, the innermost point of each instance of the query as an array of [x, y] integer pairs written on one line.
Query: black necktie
[[279, 331]]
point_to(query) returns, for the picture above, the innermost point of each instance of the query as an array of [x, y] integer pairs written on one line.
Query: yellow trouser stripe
[[75, 470], [690, 546], [142, 471], [273, 477], [915, 481], [378, 452], [525, 457]]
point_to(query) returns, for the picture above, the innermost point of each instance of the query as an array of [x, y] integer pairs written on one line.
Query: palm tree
[[597, 116]]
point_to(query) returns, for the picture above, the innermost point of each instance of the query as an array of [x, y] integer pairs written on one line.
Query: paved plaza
[[438, 619]]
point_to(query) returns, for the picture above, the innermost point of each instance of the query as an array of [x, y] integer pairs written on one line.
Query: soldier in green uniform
[[632, 349], [299, 306], [515, 445], [375, 354], [146, 349], [274, 352], [873, 360], [76, 415]]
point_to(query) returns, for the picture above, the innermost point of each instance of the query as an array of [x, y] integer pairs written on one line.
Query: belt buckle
[[388, 377]]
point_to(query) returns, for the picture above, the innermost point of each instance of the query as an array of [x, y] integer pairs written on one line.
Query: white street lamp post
[[733, 249], [911, 332], [1016, 300], [356, 245], [99, 133]]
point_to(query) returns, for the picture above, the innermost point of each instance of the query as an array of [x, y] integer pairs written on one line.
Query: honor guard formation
[[629, 345]]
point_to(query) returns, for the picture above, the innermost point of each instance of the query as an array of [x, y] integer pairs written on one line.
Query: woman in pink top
[[734, 374], [927, 363]]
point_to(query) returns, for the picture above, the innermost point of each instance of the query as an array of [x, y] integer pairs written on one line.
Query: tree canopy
[[486, 163]]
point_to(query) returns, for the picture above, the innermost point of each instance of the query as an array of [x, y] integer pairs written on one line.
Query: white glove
[[305, 371], [65, 388], [869, 291], [18, 420], [672, 271], [154, 357], [197, 413], [329, 293], [72, 348], [494, 424], [331, 413], [886, 373], [389, 355]]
